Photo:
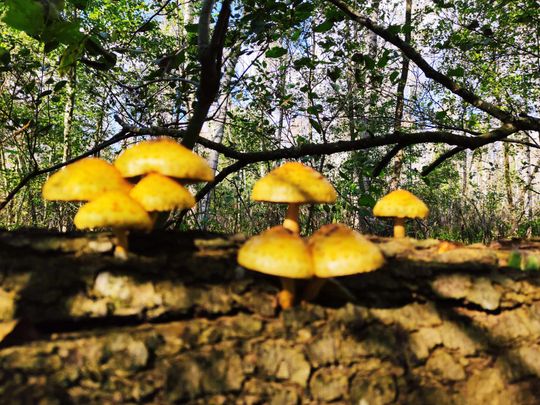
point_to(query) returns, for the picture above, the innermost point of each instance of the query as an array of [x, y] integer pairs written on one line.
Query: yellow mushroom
[[118, 211], [279, 252], [337, 250], [84, 180], [164, 156], [400, 204], [295, 184]]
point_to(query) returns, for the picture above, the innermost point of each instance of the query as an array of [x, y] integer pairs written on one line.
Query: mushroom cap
[[279, 252], [164, 156], [156, 192], [293, 182], [115, 210], [338, 250], [400, 204], [84, 180]]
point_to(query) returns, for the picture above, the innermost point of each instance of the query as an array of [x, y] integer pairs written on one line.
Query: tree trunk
[[400, 99], [221, 118], [180, 322], [68, 113]]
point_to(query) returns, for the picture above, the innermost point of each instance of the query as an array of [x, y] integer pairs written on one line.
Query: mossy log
[[180, 322]]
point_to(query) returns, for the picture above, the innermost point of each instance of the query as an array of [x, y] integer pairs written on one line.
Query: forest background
[[439, 97]]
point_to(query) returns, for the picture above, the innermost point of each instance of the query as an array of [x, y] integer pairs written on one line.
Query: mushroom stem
[[399, 227], [121, 249], [291, 220], [313, 288], [286, 295]]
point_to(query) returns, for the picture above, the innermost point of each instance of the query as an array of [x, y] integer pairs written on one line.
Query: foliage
[[303, 73]]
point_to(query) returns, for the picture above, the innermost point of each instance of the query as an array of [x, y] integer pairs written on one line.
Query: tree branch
[[38, 172], [498, 134], [211, 59], [522, 122], [387, 159]]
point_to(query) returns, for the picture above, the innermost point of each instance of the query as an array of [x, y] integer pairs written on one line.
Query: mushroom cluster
[[332, 251], [114, 202]]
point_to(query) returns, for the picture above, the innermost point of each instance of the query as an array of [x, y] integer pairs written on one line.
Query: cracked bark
[[179, 322]]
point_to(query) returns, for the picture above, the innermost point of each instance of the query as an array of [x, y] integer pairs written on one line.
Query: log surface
[[180, 322]]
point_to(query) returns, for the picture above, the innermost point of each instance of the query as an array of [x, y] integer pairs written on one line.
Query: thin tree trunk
[[400, 99], [204, 205], [68, 113], [508, 178]]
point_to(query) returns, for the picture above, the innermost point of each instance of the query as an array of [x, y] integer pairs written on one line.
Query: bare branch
[[441, 159], [522, 122], [494, 135], [385, 161], [210, 57]]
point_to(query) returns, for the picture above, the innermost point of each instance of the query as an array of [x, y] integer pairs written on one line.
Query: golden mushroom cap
[[294, 182], [340, 251], [400, 204], [164, 156], [84, 180], [156, 192], [115, 210], [278, 252]]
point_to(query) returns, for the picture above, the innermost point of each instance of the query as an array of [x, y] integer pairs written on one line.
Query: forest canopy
[[438, 97]]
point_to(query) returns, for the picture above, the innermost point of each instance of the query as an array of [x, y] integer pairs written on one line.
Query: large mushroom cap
[[279, 252], [156, 192], [113, 209], [164, 156], [84, 180], [340, 251], [400, 204], [294, 183]]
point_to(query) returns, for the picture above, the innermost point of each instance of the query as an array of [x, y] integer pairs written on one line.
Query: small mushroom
[[279, 252], [400, 204], [164, 156], [337, 250], [118, 211], [295, 184], [84, 180], [156, 192]]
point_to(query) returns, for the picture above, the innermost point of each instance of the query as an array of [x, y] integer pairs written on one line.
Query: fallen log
[[180, 322]]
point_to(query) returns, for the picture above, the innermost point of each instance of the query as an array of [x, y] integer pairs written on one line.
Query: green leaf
[[324, 26], [457, 72], [44, 93], [304, 62], [5, 57], [532, 263], [394, 29], [440, 115], [60, 85], [366, 201], [394, 76], [193, 28], [315, 125], [514, 259], [79, 4], [25, 15], [65, 32], [303, 11], [369, 62], [70, 56], [275, 52], [314, 109]]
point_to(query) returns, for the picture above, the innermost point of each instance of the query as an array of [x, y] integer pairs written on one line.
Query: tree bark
[[179, 322]]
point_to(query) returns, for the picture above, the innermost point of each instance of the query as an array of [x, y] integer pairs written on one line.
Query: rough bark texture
[[179, 322]]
